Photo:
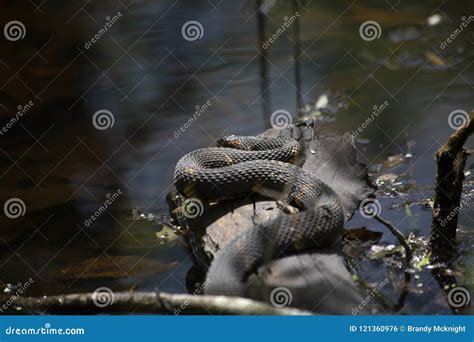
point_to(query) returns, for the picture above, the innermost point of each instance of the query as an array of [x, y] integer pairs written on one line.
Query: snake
[[241, 165]]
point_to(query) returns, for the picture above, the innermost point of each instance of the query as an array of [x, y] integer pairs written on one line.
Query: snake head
[[233, 141]]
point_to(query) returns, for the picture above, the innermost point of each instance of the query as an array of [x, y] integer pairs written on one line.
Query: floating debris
[[325, 107], [322, 102], [138, 215], [434, 19], [10, 288], [435, 59], [166, 235], [357, 242], [393, 160], [386, 178]]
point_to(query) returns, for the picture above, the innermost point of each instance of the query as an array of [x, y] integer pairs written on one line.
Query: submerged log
[[320, 274]]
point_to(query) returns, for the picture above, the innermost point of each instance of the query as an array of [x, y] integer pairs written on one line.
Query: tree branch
[[150, 302], [399, 235], [451, 160]]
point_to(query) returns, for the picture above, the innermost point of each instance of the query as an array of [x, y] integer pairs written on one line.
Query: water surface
[[152, 81]]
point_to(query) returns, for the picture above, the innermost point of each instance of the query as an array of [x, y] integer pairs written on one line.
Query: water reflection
[[152, 81]]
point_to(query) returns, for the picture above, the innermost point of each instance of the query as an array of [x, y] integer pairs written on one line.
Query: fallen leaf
[[357, 241], [380, 252], [166, 235], [393, 160], [388, 177], [434, 59]]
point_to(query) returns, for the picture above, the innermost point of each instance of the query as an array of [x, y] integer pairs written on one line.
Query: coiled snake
[[244, 165]]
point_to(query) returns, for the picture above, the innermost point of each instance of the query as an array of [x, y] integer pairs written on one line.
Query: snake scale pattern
[[243, 165]]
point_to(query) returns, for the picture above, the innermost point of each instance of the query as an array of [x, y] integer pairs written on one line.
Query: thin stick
[[149, 302], [264, 87], [296, 57], [399, 235]]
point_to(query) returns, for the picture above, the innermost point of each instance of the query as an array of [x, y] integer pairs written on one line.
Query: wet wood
[[147, 302], [322, 273], [451, 160]]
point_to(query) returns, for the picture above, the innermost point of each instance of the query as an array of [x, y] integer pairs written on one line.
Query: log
[[321, 273], [451, 160]]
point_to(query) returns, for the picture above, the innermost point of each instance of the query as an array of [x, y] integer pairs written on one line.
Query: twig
[[297, 56], [264, 89], [399, 235], [451, 160], [151, 302]]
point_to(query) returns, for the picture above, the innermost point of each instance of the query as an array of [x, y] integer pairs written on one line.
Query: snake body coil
[[251, 164]]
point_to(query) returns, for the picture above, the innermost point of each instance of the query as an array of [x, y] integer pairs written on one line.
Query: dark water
[[150, 80]]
